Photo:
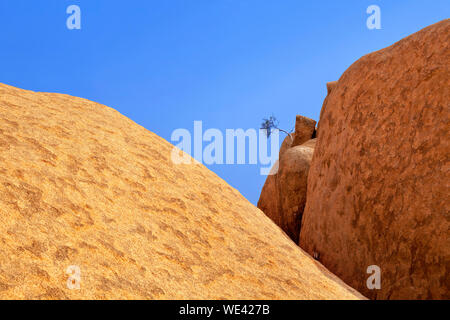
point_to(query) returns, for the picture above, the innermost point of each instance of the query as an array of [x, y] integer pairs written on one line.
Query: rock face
[[283, 196], [378, 183], [304, 130], [82, 185], [330, 86], [292, 182]]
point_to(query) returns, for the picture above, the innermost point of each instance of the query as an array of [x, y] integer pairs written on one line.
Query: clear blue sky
[[228, 63]]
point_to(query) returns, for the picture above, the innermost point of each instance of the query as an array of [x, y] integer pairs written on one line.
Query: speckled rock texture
[[378, 190], [283, 196], [82, 185]]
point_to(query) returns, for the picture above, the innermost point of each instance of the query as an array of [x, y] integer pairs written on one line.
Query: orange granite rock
[[304, 130], [292, 180], [83, 186], [378, 183], [283, 196]]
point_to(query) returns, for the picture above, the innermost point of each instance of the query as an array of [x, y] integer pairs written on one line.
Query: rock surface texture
[[283, 196], [292, 180], [304, 130], [82, 185], [378, 183]]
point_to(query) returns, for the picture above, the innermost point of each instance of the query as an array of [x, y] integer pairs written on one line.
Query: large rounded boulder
[[93, 207], [292, 182], [283, 196], [378, 183]]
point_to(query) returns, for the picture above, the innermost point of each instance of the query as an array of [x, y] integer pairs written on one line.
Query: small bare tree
[[272, 123]]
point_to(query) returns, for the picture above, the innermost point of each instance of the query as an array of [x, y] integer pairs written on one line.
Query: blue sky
[[227, 63]]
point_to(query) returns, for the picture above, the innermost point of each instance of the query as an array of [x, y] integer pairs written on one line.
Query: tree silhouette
[[272, 123]]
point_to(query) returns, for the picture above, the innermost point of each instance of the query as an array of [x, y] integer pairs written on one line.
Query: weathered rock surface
[[269, 200], [82, 185], [292, 182], [287, 143], [378, 183], [304, 130], [283, 196], [330, 86]]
